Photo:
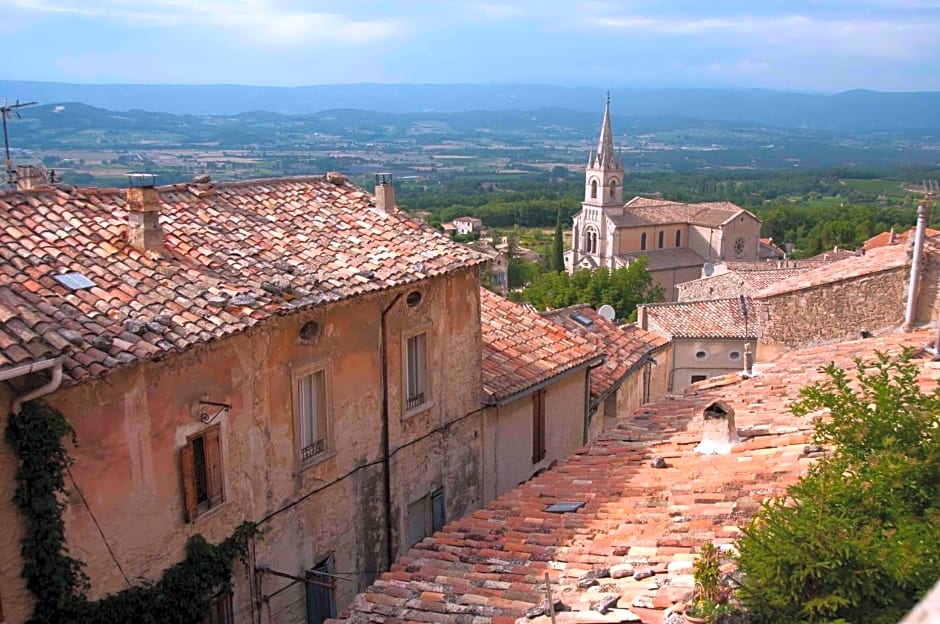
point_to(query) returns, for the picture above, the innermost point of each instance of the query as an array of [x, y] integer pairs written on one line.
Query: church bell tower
[[603, 177]]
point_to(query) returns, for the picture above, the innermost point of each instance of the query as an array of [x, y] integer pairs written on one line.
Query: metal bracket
[[204, 415]]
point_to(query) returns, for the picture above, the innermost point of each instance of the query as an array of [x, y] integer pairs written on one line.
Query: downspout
[[386, 446], [914, 285], [26, 369]]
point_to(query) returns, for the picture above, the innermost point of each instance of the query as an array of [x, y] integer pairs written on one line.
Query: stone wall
[[132, 424], [714, 287], [833, 311]]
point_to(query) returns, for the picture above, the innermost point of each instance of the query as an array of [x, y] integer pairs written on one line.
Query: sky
[[806, 45]]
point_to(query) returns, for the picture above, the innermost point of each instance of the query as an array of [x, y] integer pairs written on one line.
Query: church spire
[[605, 145]]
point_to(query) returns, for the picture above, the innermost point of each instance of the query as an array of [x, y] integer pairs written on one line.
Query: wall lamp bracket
[[205, 408]]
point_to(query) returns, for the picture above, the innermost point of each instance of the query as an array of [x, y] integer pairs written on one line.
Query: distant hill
[[851, 110]]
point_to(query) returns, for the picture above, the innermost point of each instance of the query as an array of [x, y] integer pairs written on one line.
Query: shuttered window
[[201, 463], [312, 413]]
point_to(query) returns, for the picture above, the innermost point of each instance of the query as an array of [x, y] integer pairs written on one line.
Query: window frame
[[212, 467], [539, 450], [298, 374], [678, 238], [409, 408], [642, 241], [662, 239]]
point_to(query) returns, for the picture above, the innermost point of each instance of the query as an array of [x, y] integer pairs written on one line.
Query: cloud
[[275, 23]]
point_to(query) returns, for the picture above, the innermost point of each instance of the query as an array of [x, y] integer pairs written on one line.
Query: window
[[698, 378], [734, 355], [416, 382], [613, 187], [220, 610], [701, 354], [201, 461], [426, 516], [593, 189], [321, 602], [662, 239], [538, 426], [678, 238], [643, 241], [312, 414]]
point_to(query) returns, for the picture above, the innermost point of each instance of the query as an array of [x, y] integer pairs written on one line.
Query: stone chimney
[[892, 237], [143, 217], [384, 193], [30, 177], [718, 431]]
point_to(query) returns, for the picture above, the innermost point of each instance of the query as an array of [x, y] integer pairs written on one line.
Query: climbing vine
[[58, 581]]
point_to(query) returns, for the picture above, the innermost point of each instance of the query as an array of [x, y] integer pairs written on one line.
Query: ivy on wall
[[58, 581]]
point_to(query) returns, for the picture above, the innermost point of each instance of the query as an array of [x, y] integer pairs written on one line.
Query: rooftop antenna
[[5, 111]]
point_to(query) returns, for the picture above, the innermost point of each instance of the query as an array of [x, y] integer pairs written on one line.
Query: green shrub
[[858, 538]]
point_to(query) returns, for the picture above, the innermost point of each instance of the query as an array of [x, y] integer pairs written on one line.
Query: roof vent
[[718, 431]]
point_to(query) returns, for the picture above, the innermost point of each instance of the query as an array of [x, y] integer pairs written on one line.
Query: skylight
[[581, 319], [73, 280], [566, 507]]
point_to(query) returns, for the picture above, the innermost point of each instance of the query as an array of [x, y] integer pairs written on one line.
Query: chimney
[[913, 285], [718, 431], [384, 193], [892, 237], [30, 177], [143, 214]]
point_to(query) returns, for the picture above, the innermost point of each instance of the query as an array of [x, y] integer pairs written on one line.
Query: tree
[[558, 247], [858, 538]]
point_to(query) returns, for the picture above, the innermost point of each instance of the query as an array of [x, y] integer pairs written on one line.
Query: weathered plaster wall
[[629, 238], [132, 424], [718, 359], [509, 433], [745, 227], [17, 605], [833, 311], [668, 278]]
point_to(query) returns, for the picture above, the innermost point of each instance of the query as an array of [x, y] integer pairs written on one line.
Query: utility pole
[[5, 111]]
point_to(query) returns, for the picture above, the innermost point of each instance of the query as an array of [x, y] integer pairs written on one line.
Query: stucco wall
[[509, 434], [717, 360], [630, 237], [833, 311], [17, 603], [131, 426], [745, 227], [668, 278]]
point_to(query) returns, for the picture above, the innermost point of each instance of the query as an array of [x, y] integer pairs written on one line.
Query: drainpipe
[[26, 369], [386, 451], [914, 285]]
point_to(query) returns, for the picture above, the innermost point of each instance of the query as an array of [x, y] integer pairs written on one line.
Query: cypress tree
[[558, 251]]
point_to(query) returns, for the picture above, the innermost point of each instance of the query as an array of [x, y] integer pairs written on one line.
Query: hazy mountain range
[[851, 110]]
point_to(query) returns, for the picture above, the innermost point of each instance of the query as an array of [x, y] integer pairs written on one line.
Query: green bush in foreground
[[858, 538]]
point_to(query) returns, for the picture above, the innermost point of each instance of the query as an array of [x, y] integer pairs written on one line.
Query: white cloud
[[273, 22]]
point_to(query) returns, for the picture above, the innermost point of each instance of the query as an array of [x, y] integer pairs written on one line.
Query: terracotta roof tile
[[625, 347], [710, 318], [645, 211], [234, 254], [883, 239], [522, 349], [875, 261], [492, 562]]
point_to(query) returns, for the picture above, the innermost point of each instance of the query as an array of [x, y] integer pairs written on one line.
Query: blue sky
[[817, 45]]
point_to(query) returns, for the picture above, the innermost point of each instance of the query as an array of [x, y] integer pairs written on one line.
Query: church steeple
[[604, 173], [606, 158]]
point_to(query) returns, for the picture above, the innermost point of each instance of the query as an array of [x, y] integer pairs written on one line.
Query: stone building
[[731, 280], [708, 338], [635, 371], [536, 376], [468, 225], [678, 239], [279, 351]]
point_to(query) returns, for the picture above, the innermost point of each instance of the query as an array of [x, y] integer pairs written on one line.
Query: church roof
[[641, 211]]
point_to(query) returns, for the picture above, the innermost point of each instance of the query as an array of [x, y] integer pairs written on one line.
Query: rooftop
[[491, 563], [645, 211], [521, 349], [874, 261], [883, 239], [234, 255], [710, 318], [625, 347]]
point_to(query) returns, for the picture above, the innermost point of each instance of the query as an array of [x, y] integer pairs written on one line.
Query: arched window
[[643, 241], [590, 242], [678, 237], [662, 239], [613, 187], [593, 189]]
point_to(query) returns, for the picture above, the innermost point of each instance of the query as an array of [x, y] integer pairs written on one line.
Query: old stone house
[[678, 239], [536, 376], [280, 351], [636, 368], [709, 338]]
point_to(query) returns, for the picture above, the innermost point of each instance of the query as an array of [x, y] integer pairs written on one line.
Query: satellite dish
[[708, 269], [607, 312]]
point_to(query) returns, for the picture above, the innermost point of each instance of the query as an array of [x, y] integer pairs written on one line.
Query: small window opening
[[414, 298], [310, 331], [701, 355]]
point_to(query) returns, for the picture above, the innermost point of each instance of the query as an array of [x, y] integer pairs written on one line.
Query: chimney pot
[[384, 193], [719, 433], [143, 218]]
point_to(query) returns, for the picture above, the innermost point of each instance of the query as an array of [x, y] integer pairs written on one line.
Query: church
[[678, 239]]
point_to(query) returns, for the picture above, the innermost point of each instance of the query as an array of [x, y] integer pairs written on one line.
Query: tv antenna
[[5, 111]]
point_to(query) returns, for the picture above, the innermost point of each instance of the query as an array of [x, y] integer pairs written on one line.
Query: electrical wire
[[98, 526]]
